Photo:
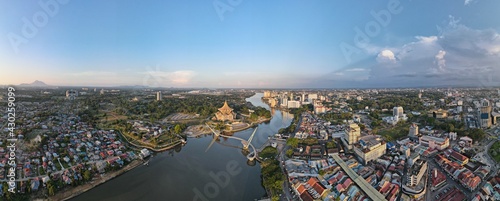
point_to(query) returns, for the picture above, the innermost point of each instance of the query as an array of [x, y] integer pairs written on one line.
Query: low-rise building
[[434, 142]]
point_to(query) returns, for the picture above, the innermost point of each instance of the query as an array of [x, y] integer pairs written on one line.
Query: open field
[[495, 151], [193, 131], [111, 116], [180, 117], [393, 133]]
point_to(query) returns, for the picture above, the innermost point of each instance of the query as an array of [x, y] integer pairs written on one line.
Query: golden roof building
[[225, 113]]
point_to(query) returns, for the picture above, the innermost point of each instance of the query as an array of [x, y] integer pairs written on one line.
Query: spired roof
[[225, 109]]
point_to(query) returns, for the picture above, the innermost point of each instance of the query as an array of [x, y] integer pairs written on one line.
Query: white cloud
[[158, 78], [356, 69], [427, 40], [456, 55], [441, 62], [467, 2], [386, 56]]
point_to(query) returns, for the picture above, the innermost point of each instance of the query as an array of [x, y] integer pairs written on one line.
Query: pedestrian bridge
[[246, 143]]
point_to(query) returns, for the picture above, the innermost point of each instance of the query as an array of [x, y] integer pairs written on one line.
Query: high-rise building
[[158, 96], [417, 171], [272, 102], [353, 133], [484, 114], [312, 97], [413, 130], [71, 94], [293, 104], [397, 111], [267, 94], [284, 102]]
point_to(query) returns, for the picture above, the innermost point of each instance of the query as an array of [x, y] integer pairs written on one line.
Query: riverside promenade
[[75, 191]]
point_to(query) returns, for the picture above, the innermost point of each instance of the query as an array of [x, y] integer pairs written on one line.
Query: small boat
[[146, 163], [183, 141]]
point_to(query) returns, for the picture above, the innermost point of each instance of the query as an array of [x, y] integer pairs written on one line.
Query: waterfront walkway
[[360, 181]]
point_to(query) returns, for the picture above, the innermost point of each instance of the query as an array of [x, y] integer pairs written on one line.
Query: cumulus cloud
[[467, 2], [159, 78], [356, 69], [456, 55], [441, 62], [386, 56]]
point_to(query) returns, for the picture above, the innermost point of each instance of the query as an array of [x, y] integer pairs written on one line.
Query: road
[[453, 183], [287, 195], [449, 181]]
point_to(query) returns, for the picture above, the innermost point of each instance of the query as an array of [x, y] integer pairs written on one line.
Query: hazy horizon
[[251, 44]]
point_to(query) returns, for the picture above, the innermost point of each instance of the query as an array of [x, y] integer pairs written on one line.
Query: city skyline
[[246, 44]]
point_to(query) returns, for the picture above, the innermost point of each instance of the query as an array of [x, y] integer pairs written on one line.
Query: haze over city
[[251, 43]]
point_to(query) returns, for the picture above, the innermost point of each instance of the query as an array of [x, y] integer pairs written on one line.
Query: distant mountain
[[36, 83]]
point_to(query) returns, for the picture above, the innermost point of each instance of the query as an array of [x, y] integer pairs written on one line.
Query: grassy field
[[393, 133], [495, 151], [111, 116]]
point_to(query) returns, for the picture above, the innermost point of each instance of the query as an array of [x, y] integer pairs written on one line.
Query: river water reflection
[[190, 173]]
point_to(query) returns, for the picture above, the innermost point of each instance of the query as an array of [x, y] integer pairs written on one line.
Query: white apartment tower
[[397, 111], [413, 130], [158, 96]]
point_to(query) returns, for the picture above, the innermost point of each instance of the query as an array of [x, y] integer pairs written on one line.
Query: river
[[190, 173]]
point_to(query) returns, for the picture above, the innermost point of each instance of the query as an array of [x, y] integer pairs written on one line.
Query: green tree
[[254, 117], [331, 144], [292, 142], [268, 152], [177, 129], [50, 188], [87, 175], [362, 126], [5, 190], [289, 153]]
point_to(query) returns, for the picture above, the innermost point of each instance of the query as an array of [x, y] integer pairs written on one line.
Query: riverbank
[[75, 191], [194, 133], [156, 148], [191, 165]]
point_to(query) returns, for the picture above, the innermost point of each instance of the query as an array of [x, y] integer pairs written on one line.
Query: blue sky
[[291, 43]]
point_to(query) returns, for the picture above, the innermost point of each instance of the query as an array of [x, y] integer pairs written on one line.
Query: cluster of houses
[[146, 130], [490, 190], [453, 163], [333, 183], [65, 143], [312, 127]]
